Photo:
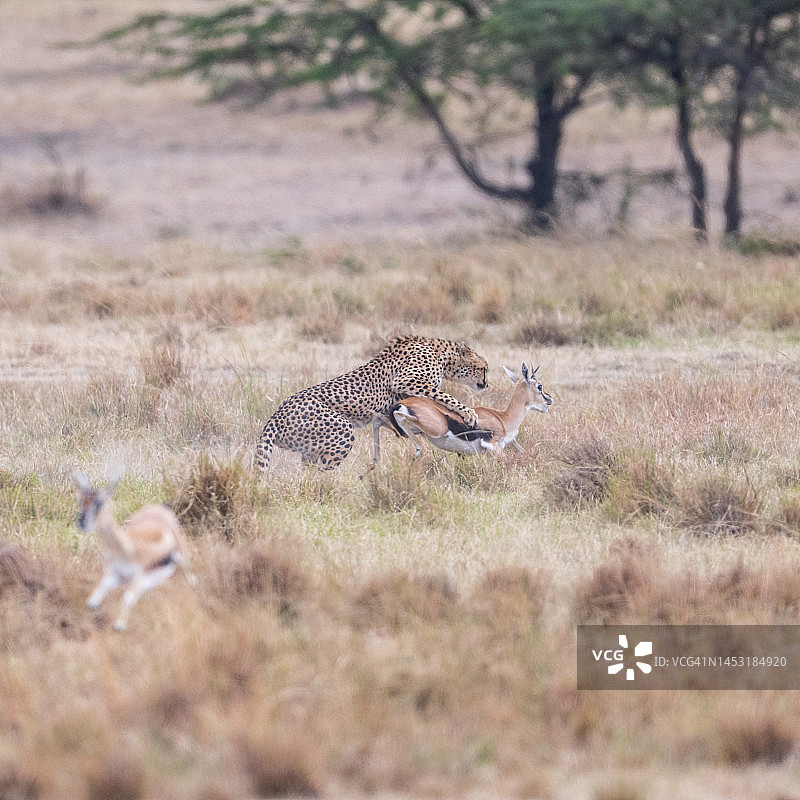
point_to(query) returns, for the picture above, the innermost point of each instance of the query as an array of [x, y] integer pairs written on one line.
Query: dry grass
[[408, 631], [634, 586], [213, 495], [721, 504], [756, 737], [393, 599], [587, 466], [281, 679]]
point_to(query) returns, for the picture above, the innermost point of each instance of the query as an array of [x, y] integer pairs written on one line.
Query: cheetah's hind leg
[[321, 435], [330, 453]]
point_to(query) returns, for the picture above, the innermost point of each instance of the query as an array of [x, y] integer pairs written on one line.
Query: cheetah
[[318, 422]]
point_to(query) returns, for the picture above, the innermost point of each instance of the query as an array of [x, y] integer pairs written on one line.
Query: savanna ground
[[410, 631]]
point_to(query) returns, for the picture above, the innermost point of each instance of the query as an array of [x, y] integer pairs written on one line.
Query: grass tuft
[[720, 504], [584, 476], [758, 246], [211, 496], [280, 766], [162, 366], [548, 328], [397, 599], [262, 571], [118, 777], [765, 737], [394, 486], [641, 484], [789, 512], [511, 597], [18, 570], [19, 782], [324, 323], [618, 790], [615, 585]]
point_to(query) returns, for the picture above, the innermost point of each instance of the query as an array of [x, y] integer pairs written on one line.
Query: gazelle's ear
[[511, 376], [525, 372], [81, 480]]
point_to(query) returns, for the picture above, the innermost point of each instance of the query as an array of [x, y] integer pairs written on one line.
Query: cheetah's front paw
[[470, 418]]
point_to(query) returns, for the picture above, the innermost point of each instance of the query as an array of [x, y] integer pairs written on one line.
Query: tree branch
[[458, 152], [575, 98], [467, 165], [470, 9]]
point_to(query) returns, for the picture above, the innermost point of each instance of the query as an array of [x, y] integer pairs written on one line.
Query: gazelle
[[496, 427], [141, 554]]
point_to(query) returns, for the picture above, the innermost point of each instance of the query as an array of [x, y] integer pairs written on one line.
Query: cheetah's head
[[467, 367]]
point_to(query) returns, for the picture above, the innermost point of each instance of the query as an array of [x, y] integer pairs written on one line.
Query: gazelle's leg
[[402, 417], [376, 430], [109, 581], [141, 584], [181, 562]]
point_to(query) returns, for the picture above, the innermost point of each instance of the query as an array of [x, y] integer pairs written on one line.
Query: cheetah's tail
[[264, 447]]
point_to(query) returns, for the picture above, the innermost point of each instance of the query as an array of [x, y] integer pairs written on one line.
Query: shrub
[[397, 598], [615, 586], [585, 474], [212, 494], [280, 765], [118, 777], [641, 484], [760, 737], [720, 504]]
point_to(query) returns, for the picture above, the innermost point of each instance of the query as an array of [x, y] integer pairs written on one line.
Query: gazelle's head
[[536, 398], [92, 501]]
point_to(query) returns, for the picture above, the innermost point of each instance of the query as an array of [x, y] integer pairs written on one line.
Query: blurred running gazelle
[[140, 554], [495, 429]]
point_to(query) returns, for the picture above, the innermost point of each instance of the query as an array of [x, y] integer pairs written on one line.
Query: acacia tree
[[664, 59], [733, 65], [464, 63], [759, 83]]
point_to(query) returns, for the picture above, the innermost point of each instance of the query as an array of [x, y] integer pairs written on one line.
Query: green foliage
[[467, 64], [447, 56]]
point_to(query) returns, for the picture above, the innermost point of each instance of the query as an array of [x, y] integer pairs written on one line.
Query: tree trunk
[[694, 167], [543, 166], [733, 207]]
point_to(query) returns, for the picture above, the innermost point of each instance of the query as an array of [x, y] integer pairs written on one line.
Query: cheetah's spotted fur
[[318, 422]]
